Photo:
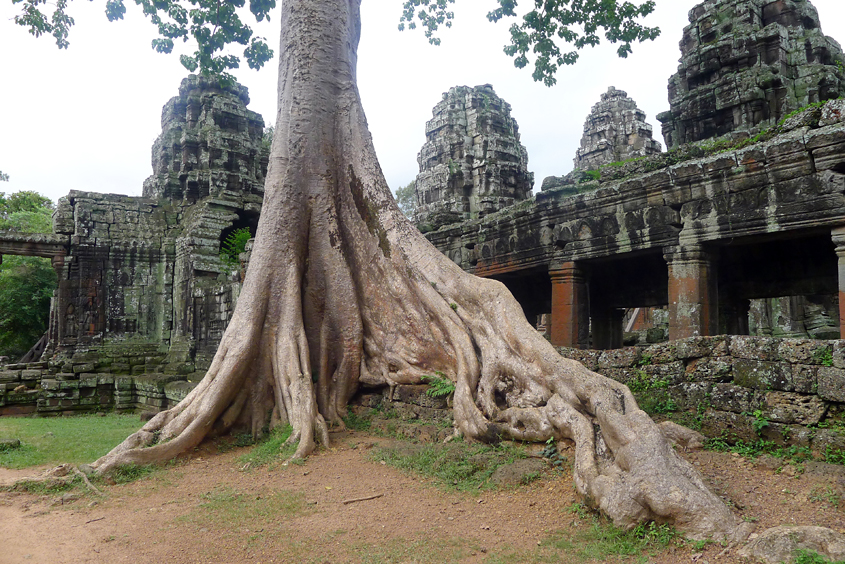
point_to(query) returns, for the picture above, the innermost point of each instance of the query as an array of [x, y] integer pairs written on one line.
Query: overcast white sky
[[85, 118]]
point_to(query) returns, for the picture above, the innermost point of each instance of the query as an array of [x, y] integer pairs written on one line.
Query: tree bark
[[341, 290]]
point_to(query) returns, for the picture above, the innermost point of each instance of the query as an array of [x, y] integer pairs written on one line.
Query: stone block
[[761, 375], [804, 378], [831, 383], [619, 358], [104, 378], [789, 408], [838, 354], [31, 374], [672, 372], [833, 112], [10, 376], [67, 376], [88, 380], [825, 438], [49, 384], [176, 391], [753, 348], [623, 375], [736, 399], [710, 369], [123, 384], [587, 357], [416, 395], [690, 395], [804, 351], [87, 367], [728, 426]]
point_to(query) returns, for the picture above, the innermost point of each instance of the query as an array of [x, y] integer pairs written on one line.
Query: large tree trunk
[[342, 289]]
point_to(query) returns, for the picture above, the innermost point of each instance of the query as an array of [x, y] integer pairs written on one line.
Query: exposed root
[[342, 289], [58, 476]]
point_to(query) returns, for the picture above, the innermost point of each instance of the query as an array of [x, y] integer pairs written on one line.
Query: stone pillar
[[693, 296], [607, 328], [570, 323], [838, 236]]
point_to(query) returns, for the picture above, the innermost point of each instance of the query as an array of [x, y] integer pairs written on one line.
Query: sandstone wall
[[731, 384]]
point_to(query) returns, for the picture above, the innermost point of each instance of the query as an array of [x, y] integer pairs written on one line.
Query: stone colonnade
[[693, 300]]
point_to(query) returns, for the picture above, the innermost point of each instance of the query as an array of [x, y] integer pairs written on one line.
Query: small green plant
[[823, 356], [439, 386], [760, 422], [356, 422], [804, 556], [827, 495], [833, 455], [233, 245], [454, 306], [551, 453]]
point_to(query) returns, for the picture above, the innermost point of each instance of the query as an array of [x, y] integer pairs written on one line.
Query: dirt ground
[[208, 509]]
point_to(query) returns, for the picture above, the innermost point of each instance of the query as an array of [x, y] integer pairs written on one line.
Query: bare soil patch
[[207, 508]]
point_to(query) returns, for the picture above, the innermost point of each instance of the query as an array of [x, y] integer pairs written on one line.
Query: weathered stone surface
[[472, 162], [780, 544], [710, 369], [416, 395], [736, 399], [786, 407], [762, 375], [615, 131], [831, 383], [754, 348], [619, 358], [746, 64]]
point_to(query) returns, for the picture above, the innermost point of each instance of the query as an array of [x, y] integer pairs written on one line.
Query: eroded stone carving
[[745, 64], [615, 130], [472, 162]]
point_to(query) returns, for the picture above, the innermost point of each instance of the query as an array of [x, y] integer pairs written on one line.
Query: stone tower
[[745, 64], [615, 130], [209, 143], [472, 162]]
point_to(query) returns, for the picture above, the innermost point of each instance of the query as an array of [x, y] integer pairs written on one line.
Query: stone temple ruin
[[143, 296], [745, 64], [615, 131], [472, 162], [706, 231]]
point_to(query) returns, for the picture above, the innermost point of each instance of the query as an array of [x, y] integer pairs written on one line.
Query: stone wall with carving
[[746, 64]]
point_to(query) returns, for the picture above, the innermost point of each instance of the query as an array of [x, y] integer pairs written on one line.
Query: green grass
[[56, 440], [455, 465], [270, 450], [811, 557], [600, 542], [229, 508]]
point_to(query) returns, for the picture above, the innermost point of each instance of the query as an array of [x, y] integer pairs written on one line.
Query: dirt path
[[207, 509]]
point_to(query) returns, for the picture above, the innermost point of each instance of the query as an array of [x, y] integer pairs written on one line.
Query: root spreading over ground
[[342, 290]]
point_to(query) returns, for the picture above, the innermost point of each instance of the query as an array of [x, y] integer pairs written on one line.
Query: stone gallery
[[742, 220]]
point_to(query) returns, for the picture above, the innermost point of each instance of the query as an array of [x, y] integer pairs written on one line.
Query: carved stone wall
[[745, 64], [615, 130], [472, 162], [144, 275]]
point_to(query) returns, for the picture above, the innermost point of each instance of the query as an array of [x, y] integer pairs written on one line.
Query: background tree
[[26, 283], [341, 290], [406, 199], [3, 177]]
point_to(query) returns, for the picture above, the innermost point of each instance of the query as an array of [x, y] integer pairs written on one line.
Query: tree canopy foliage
[[214, 24], [3, 177], [544, 28], [26, 283], [406, 197]]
